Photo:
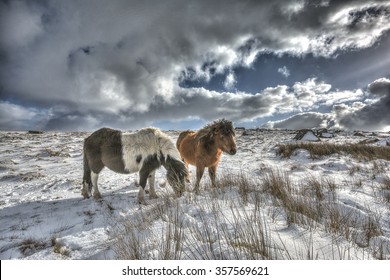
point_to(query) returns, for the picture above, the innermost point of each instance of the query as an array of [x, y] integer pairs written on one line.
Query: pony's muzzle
[[233, 151]]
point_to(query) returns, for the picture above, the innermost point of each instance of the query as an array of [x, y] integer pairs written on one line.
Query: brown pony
[[204, 148]]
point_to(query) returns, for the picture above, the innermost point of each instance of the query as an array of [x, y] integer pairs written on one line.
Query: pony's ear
[[215, 129]]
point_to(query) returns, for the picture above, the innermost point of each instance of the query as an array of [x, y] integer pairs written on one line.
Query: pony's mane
[[167, 146], [225, 126], [162, 142]]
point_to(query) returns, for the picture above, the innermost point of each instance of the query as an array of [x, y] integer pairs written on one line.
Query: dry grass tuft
[[60, 153], [31, 246], [316, 150], [299, 209], [59, 248], [386, 189], [241, 181]]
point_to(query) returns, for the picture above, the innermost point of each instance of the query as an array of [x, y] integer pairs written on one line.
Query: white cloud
[[351, 111], [17, 117], [293, 8], [301, 121], [284, 71], [230, 81]]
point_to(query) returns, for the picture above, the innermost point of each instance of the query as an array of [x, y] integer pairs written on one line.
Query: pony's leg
[[142, 182], [151, 179], [94, 179], [141, 195], [85, 190], [199, 174], [212, 174], [150, 164]]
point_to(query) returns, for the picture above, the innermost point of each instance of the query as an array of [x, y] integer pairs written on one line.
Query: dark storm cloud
[[380, 87], [374, 115], [89, 63]]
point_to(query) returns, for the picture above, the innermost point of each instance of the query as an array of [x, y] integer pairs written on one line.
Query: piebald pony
[[123, 152]]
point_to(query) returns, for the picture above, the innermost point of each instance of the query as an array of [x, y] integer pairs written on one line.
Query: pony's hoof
[[97, 196], [85, 194], [153, 196], [141, 200]]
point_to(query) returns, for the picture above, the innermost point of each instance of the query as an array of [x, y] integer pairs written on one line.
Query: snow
[[309, 136], [384, 142], [326, 135], [44, 216]]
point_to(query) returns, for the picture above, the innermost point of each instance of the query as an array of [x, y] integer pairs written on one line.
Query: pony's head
[[220, 133], [225, 136], [176, 174]]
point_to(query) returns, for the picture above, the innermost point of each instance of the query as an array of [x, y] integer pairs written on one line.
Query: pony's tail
[[87, 183]]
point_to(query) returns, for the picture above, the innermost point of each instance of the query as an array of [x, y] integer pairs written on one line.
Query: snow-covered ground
[[43, 215]]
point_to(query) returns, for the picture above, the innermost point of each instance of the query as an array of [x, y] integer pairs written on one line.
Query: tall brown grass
[[316, 150]]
